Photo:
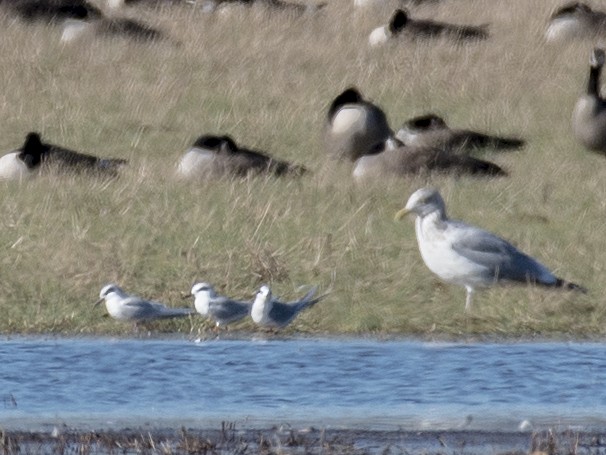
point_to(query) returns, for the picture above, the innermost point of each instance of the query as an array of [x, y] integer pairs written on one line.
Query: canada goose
[[270, 5], [217, 156], [117, 4], [575, 20], [293, 7], [401, 24], [376, 4], [382, 34], [110, 27], [589, 115], [35, 153], [354, 126], [51, 10], [430, 130], [397, 159]]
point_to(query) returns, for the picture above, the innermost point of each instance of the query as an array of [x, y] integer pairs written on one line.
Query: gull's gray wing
[[500, 258]]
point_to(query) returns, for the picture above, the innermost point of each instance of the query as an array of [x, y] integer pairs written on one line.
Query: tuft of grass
[[267, 80]]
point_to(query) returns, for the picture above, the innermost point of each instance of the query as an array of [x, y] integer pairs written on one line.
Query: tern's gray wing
[[226, 311], [500, 258], [143, 309], [282, 313], [309, 294]]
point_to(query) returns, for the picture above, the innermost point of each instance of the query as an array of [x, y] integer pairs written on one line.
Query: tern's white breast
[[260, 310], [202, 303]]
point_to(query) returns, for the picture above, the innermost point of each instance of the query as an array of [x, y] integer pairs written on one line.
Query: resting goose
[[430, 130], [217, 156], [34, 154], [402, 25], [354, 126], [110, 27], [589, 115], [51, 11], [400, 160], [270, 5], [575, 20]]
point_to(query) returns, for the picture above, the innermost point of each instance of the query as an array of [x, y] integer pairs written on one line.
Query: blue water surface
[[335, 382]]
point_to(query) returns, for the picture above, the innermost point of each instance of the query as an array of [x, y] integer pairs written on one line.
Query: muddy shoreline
[[229, 439]]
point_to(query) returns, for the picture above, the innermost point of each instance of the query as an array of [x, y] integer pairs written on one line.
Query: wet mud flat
[[286, 440]]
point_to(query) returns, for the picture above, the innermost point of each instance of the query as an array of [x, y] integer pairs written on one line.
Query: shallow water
[[351, 383]]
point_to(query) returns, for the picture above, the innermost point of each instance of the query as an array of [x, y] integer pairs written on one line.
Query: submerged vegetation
[[267, 80], [288, 440]]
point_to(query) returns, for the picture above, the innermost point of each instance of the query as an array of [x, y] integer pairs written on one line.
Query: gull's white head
[[202, 293], [262, 305], [423, 202], [107, 291]]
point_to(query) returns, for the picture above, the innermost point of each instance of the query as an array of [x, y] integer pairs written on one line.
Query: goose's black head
[[228, 144], [33, 150], [427, 122], [76, 11], [571, 9], [398, 21], [348, 96], [209, 141]]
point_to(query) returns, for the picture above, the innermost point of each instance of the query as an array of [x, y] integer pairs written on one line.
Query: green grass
[[267, 81]]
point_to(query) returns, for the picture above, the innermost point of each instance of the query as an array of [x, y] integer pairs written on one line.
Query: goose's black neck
[[593, 86]]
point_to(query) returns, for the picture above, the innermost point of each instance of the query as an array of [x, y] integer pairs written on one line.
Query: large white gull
[[462, 254]]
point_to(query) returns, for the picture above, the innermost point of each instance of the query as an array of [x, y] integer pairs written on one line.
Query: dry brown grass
[[267, 81]]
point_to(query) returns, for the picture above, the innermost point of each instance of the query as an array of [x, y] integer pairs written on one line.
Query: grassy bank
[[267, 81]]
